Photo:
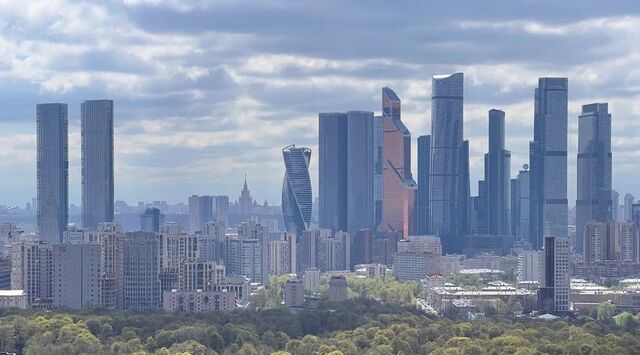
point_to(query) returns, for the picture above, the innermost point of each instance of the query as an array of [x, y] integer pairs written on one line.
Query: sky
[[208, 91]]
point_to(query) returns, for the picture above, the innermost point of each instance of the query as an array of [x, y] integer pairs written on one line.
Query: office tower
[[628, 206], [52, 171], [221, 210], [360, 205], [449, 171], [296, 189], [521, 206], [610, 241], [594, 201], [548, 162], [31, 271], [378, 162], [141, 271], [615, 205], [151, 220], [332, 171], [554, 295], [248, 253], [283, 254], [97, 162], [110, 237], [635, 214], [76, 276], [200, 211], [497, 175], [399, 188], [424, 164]]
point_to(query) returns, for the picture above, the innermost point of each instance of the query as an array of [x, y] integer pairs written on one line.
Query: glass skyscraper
[[449, 172], [296, 189], [594, 201], [548, 162], [52, 171], [422, 209], [332, 174], [497, 176], [97, 162], [399, 196], [360, 204]]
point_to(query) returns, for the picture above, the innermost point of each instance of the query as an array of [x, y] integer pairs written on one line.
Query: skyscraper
[[548, 160], [97, 162], [554, 294], [200, 211], [151, 220], [399, 188], [332, 177], [378, 162], [360, 205], [628, 206], [424, 162], [296, 189], [521, 206], [594, 201], [615, 205], [52, 171], [497, 176], [449, 172]]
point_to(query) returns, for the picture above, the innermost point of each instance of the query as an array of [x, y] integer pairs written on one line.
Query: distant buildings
[[628, 207], [311, 279], [247, 254], [283, 254], [594, 201], [296, 189], [151, 220], [449, 165], [13, 299], [52, 171], [520, 208], [548, 162], [200, 211], [610, 241], [97, 162]]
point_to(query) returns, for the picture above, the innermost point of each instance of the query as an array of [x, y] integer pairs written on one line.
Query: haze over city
[[205, 92]]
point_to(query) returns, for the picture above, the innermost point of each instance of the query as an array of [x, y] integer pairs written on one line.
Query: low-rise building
[[371, 270], [198, 301], [13, 299]]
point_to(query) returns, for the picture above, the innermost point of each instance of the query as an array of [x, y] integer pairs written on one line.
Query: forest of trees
[[358, 326], [380, 318]]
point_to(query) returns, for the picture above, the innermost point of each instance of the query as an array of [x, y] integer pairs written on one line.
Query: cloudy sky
[[206, 91]]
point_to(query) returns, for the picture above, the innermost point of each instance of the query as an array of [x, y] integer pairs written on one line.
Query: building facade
[[141, 289], [77, 281], [497, 176], [332, 171], [422, 203]]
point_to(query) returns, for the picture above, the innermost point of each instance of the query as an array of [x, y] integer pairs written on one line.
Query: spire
[[245, 188]]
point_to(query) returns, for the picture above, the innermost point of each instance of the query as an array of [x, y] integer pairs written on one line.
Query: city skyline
[[158, 128]]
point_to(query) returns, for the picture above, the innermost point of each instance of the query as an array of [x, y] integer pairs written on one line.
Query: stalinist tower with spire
[[245, 201]]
